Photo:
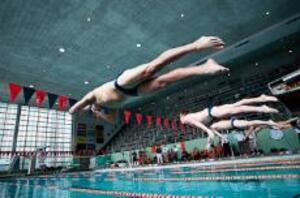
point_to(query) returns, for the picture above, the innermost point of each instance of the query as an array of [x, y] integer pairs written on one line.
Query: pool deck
[[227, 161]]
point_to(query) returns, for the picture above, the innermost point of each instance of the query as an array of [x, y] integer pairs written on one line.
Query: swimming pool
[[276, 179]]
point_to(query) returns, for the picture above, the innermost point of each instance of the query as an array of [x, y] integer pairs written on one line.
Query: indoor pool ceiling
[[68, 47]]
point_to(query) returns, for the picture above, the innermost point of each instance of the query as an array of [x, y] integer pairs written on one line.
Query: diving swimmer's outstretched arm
[[202, 127], [87, 100], [111, 117]]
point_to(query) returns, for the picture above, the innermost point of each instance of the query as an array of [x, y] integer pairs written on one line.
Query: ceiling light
[[88, 19], [181, 15], [86, 82], [290, 51], [256, 64], [267, 13], [31, 86], [138, 45], [108, 66], [62, 50]]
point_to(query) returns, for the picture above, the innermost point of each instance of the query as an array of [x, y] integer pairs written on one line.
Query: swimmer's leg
[[261, 99], [242, 124], [208, 68], [145, 71], [230, 110]]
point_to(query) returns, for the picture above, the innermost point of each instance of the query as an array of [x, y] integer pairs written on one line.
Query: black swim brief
[[126, 91]]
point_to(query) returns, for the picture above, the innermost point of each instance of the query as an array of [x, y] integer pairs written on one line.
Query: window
[[8, 117], [41, 127]]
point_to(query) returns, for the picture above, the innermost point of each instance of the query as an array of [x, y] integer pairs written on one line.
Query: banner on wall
[[14, 90], [40, 97], [138, 118], [27, 93], [149, 120], [62, 102], [127, 115], [158, 121], [72, 102], [52, 99], [167, 123]]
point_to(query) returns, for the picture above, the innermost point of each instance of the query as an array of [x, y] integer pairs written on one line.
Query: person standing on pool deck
[[205, 118], [107, 98]]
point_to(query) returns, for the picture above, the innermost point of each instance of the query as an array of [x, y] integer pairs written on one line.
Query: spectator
[[175, 153], [226, 146], [141, 158], [42, 154], [165, 151], [159, 155], [184, 156], [195, 154], [134, 159]]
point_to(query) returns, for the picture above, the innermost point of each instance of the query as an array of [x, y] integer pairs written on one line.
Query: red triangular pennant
[[127, 115], [14, 90], [138, 118], [39, 97], [158, 121], [62, 102], [149, 120], [174, 125], [166, 123], [182, 127]]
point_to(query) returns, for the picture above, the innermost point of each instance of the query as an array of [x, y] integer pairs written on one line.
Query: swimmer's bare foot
[[267, 98], [205, 42], [212, 67], [267, 109]]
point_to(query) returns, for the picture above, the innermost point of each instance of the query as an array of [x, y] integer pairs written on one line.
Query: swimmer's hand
[[208, 42]]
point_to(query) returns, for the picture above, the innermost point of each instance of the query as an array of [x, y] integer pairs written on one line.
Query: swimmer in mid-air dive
[[204, 119], [107, 98], [250, 126]]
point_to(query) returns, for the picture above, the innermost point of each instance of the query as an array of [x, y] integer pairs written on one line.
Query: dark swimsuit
[[126, 91], [232, 123], [210, 115], [213, 118]]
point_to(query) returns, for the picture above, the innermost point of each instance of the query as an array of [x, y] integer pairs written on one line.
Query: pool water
[[244, 181]]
